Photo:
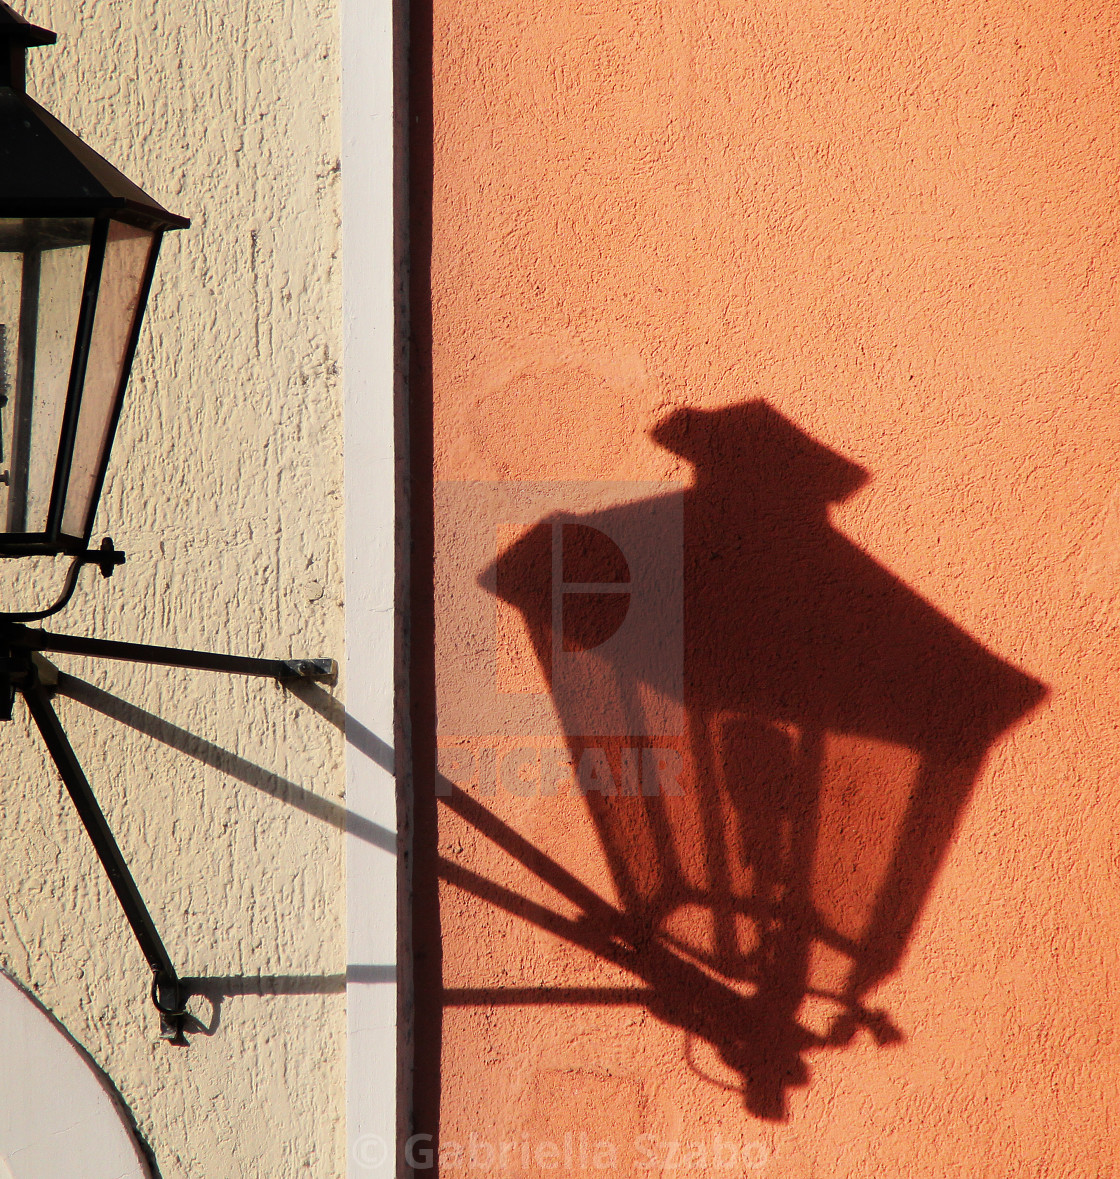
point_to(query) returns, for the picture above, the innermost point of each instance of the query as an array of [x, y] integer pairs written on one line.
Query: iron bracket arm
[[168, 993], [285, 670]]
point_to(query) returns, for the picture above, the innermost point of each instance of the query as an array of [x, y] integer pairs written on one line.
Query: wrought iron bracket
[[23, 671], [106, 557]]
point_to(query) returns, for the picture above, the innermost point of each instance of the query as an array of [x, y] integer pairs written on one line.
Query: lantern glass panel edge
[[125, 276], [44, 263]]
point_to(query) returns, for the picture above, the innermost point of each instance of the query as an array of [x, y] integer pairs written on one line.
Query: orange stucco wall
[[840, 282]]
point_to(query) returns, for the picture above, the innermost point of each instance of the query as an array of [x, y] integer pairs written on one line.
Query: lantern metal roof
[[45, 169], [21, 30]]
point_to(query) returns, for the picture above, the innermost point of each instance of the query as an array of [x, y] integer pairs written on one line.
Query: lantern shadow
[[832, 724]]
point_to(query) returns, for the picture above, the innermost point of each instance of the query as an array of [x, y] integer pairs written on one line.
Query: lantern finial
[[17, 34]]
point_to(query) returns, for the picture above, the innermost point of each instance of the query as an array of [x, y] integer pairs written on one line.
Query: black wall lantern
[[78, 247]]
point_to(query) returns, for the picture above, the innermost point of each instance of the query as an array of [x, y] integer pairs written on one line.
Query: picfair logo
[[559, 609]]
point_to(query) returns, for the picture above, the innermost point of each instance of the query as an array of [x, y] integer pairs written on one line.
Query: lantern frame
[[50, 176], [54, 540]]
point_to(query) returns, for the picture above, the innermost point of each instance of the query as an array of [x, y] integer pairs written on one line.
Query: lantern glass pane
[[42, 274], [118, 304]]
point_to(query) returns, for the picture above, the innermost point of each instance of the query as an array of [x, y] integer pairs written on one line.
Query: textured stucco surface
[[895, 223], [225, 492]]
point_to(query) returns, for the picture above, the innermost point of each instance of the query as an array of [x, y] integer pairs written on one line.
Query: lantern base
[[23, 670]]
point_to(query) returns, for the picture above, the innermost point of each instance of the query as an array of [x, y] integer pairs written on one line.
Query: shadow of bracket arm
[[227, 762]]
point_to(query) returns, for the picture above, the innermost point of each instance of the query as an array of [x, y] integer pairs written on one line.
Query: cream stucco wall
[[225, 491]]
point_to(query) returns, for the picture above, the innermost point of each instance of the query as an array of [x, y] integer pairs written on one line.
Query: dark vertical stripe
[[25, 390], [426, 944]]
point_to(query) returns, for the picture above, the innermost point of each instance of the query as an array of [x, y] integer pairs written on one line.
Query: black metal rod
[[19, 476], [96, 825], [281, 669], [68, 433], [61, 602]]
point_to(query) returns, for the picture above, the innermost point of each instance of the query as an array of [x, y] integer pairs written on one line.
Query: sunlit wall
[[809, 311], [224, 491]]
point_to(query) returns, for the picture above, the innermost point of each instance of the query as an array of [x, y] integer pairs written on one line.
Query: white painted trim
[[368, 259]]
